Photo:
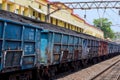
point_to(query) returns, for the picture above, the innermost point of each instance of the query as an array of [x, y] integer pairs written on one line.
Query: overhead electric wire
[[116, 13], [87, 20], [104, 13], [110, 17], [118, 18]]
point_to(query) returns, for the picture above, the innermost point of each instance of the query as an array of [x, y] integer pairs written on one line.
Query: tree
[[104, 25]]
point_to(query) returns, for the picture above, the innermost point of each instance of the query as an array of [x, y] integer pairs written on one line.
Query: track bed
[[91, 72]]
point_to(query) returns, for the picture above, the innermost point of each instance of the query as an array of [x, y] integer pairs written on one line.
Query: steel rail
[[93, 78]]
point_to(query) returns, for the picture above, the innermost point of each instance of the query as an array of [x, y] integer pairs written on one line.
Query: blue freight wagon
[[24, 47], [60, 47], [19, 45]]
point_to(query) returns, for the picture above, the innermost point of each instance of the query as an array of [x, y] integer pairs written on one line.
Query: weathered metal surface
[[18, 42]]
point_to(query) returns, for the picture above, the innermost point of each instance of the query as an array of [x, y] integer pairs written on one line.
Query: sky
[[111, 14]]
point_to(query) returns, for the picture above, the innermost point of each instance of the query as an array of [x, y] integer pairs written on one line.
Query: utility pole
[[49, 13]]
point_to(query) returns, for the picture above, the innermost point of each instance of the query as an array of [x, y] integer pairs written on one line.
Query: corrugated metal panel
[[13, 31], [29, 34], [0, 64], [13, 58], [65, 39], [0, 54], [28, 62], [71, 40], [29, 48], [1, 29]]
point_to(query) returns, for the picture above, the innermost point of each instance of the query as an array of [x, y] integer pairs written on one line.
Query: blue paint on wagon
[[1, 29], [29, 34], [29, 48], [28, 62], [19, 44], [13, 31], [44, 47]]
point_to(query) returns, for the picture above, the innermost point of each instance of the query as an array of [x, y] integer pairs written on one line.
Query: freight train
[[30, 49]]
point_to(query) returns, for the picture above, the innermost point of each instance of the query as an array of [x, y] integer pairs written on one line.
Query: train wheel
[[52, 72], [12, 77], [21, 76], [46, 73], [76, 65], [84, 62], [94, 60]]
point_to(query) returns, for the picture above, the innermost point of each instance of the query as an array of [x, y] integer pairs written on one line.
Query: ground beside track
[[90, 72]]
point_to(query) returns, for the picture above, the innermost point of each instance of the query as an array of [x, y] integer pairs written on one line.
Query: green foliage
[[104, 25]]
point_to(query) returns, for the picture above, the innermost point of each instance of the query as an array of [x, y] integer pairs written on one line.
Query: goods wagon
[[26, 44], [113, 48], [63, 47], [19, 45], [103, 48]]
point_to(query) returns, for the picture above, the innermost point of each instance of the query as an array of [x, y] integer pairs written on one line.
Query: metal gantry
[[93, 4], [83, 6]]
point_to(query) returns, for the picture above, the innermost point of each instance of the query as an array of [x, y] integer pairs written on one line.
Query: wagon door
[[44, 47], [76, 48], [84, 49]]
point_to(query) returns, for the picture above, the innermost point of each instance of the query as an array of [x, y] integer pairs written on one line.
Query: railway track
[[119, 78], [110, 73], [106, 70]]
